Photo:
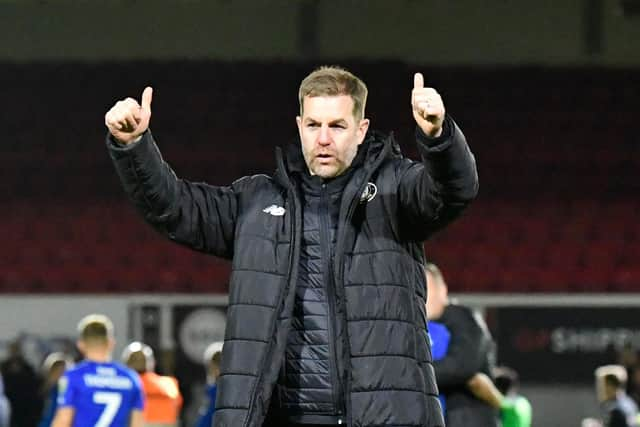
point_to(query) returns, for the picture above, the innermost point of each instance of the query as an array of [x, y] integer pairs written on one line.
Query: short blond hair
[[617, 371], [213, 353], [54, 360], [139, 357], [334, 81], [95, 327]]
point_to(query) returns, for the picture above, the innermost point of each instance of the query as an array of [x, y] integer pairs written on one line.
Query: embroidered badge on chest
[[369, 193]]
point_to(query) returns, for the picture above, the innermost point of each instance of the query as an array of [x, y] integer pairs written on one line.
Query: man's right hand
[[128, 120]]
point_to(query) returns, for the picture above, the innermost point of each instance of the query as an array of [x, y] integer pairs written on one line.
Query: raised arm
[[197, 215], [435, 191], [127, 120]]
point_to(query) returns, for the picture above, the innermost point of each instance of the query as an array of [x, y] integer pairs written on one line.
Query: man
[[22, 387], [212, 358], [480, 385], [515, 410], [98, 392], [54, 365], [468, 354], [325, 324], [618, 410], [162, 398]]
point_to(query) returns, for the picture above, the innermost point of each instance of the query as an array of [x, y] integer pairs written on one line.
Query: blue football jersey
[[208, 408], [102, 394], [440, 337]]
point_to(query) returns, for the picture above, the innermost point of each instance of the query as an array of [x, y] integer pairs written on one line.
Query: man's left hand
[[427, 106]]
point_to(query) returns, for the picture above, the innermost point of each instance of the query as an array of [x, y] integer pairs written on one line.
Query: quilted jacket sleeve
[[436, 190], [197, 215]]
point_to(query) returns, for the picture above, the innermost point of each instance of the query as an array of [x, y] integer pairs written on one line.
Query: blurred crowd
[[29, 396]]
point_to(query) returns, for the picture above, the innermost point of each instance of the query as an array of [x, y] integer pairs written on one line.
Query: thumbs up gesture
[[127, 120], [427, 106]]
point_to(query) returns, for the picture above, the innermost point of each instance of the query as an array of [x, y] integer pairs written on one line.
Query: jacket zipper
[[325, 244], [339, 274], [293, 254]]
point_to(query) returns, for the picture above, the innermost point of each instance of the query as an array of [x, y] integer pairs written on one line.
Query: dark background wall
[[566, 32]]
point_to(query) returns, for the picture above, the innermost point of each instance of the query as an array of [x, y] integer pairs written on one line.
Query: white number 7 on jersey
[[112, 403]]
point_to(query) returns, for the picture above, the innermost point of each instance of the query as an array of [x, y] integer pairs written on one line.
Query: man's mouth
[[324, 157]]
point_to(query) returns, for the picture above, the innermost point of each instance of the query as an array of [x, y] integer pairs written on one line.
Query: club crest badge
[[369, 193]]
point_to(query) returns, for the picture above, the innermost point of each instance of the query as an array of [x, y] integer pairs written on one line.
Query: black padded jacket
[[390, 205], [310, 388]]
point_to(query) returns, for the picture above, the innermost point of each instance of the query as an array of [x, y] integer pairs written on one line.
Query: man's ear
[[363, 126], [299, 123]]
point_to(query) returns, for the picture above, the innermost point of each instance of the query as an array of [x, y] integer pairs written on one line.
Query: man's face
[[437, 297], [330, 134]]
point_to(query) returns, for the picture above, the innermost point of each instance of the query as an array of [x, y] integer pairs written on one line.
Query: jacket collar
[[375, 148]]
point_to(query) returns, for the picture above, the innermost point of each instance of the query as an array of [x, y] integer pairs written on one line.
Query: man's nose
[[324, 138]]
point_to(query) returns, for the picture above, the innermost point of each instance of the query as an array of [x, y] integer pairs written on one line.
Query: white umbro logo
[[274, 210]]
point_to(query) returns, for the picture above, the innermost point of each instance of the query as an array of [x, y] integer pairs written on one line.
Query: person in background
[[633, 384], [470, 398], [515, 409], [163, 400], [616, 407], [212, 358], [480, 385], [53, 367], [22, 387], [628, 357], [5, 407], [98, 392], [439, 338]]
